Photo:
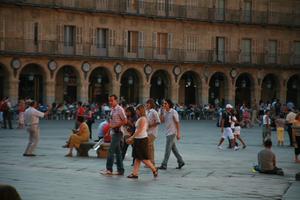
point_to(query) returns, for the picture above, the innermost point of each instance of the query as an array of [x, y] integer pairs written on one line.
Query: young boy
[[267, 160], [280, 123]]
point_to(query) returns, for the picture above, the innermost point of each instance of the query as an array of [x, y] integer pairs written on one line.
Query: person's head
[[168, 104], [79, 103], [268, 143], [229, 107], [33, 104], [113, 100], [297, 117], [150, 104], [80, 119], [267, 112], [130, 111], [140, 110]]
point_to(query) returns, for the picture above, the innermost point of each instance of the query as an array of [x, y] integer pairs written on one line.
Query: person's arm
[[155, 122], [140, 126], [294, 137], [274, 161], [222, 125], [178, 129]]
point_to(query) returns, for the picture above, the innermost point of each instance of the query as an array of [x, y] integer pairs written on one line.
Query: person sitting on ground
[[82, 135], [267, 160]]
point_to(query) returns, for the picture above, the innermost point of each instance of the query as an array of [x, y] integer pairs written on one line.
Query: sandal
[[133, 176], [155, 173]]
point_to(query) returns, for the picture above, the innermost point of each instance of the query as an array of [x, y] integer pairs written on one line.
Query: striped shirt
[[117, 115]]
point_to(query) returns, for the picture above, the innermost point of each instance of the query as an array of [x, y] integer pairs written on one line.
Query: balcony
[[169, 11], [15, 46]]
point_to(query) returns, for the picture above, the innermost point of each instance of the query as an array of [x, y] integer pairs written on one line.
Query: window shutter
[[141, 39], [254, 51], [170, 41], [279, 56], [111, 37], [28, 30], [228, 55], [154, 39], [2, 34], [40, 31], [125, 42]]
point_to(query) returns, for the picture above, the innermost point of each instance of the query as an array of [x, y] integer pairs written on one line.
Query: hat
[[229, 106]]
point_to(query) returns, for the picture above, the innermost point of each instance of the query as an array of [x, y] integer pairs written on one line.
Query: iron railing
[[175, 11], [56, 48]]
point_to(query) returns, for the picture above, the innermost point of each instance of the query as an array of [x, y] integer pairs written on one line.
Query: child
[[280, 123]]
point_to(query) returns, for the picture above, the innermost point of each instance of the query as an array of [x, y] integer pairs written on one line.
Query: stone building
[[192, 51]]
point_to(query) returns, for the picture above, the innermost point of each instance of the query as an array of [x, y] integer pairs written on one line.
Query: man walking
[[117, 119], [170, 117], [7, 114], [266, 132], [290, 117], [32, 116], [153, 122]]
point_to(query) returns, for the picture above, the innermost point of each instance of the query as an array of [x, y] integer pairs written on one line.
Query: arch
[[131, 86], [244, 90], [4, 81], [67, 84], [100, 85], [270, 88], [218, 89], [189, 88], [32, 82], [293, 90], [160, 85]]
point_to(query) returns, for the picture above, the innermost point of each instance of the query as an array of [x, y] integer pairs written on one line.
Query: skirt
[[140, 149], [297, 150]]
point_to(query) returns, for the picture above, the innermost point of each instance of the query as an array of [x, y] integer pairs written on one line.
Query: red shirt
[[80, 111]]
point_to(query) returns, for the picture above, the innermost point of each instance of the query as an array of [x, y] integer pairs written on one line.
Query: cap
[[229, 106]]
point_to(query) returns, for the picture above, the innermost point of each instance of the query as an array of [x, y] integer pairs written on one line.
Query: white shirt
[[143, 133], [153, 118], [266, 119], [32, 116], [170, 118]]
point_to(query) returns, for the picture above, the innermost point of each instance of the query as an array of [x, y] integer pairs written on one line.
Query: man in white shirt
[[32, 116], [153, 122], [170, 117], [266, 133], [290, 118]]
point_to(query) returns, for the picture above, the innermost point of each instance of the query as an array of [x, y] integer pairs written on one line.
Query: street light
[[99, 79], [130, 80], [269, 84], [244, 83], [159, 81], [188, 82], [30, 77], [217, 83], [66, 78], [294, 86]]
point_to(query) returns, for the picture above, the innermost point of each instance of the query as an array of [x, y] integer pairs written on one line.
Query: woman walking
[[140, 145]]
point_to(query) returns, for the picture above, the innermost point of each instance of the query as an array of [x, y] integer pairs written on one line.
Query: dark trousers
[[7, 117], [276, 170], [289, 130], [115, 149], [89, 123]]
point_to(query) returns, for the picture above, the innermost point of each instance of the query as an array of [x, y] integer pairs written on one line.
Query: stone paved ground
[[209, 173]]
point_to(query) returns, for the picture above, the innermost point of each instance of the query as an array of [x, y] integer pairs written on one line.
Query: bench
[[102, 152], [83, 150]]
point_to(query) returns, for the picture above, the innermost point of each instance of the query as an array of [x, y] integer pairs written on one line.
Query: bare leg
[[70, 153], [240, 139], [149, 164], [136, 167], [221, 141]]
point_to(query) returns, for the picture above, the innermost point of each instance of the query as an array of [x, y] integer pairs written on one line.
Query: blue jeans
[[115, 148], [171, 146]]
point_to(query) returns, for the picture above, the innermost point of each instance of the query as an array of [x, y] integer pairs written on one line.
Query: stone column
[[116, 86], [13, 90], [50, 92], [145, 91], [174, 92], [283, 91], [83, 91], [257, 93], [231, 92], [205, 94]]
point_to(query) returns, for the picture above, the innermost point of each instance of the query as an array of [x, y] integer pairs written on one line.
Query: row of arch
[[32, 81]]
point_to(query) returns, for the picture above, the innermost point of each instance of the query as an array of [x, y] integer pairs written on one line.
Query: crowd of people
[[126, 125]]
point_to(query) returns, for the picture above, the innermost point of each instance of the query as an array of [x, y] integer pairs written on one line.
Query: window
[[272, 51], [221, 10], [161, 5], [246, 50], [162, 43], [297, 52], [101, 37], [69, 36], [247, 11], [36, 33], [220, 49], [132, 41], [192, 42]]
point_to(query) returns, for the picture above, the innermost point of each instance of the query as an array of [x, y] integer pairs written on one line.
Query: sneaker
[[180, 165], [236, 148], [162, 168], [133, 176], [244, 147], [106, 172], [220, 147]]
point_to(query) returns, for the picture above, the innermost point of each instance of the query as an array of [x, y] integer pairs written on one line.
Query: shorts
[[228, 133], [280, 134], [237, 130]]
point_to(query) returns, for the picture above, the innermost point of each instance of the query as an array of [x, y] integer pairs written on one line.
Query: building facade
[[192, 51]]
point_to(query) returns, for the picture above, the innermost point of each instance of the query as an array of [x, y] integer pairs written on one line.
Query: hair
[[170, 103], [32, 103], [151, 103], [80, 119], [131, 110], [79, 103], [297, 116], [267, 111], [114, 96], [141, 109], [268, 143]]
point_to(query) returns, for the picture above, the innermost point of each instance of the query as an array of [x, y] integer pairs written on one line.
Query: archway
[[293, 90], [218, 89], [270, 88], [189, 88], [3, 81], [32, 83], [160, 85], [66, 89], [130, 86], [99, 85], [244, 90]]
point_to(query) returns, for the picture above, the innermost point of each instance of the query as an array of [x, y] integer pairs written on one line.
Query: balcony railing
[[155, 9], [14, 46]]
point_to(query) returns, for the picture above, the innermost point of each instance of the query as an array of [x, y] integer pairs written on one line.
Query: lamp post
[[217, 83], [244, 83], [31, 77], [99, 79], [159, 81]]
